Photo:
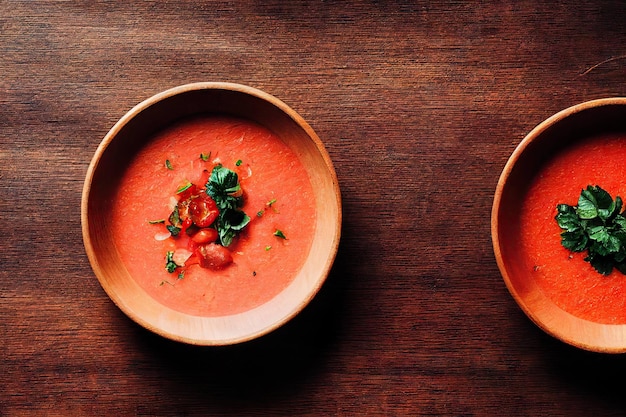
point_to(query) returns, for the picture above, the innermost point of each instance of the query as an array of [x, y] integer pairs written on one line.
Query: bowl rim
[[565, 335], [322, 153]]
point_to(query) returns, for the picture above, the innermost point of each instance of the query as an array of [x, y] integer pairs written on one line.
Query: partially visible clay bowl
[[580, 121], [131, 133]]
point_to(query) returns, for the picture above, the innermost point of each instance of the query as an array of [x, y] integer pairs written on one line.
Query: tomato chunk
[[186, 225], [204, 236], [203, 210], [213, 256]]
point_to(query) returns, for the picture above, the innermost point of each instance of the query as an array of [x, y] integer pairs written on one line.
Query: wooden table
[[419, 105]]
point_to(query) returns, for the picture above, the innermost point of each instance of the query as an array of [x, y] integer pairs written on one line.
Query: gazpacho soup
[[565, 276], [215, 216]]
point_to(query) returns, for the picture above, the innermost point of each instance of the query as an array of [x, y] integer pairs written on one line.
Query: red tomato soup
[[565, 277], [278, 196]]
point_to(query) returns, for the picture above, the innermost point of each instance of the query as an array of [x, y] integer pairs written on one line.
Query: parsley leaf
[[229, 223], [598, 225], [224, 188]]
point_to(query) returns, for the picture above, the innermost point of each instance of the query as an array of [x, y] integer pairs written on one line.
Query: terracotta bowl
[[604, 116], [131, 133]]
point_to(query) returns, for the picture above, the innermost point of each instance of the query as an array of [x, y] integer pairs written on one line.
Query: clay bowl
[[598, 117], [131, 133]]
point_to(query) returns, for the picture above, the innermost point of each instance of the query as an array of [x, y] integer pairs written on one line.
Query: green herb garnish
[[204, 156], [170, 265], [598, 225], [229, 223], [168, 164], [224, 188], [280, 234], [156, 221], [174, 231], [175, 225], [238, 163], [184, 187]]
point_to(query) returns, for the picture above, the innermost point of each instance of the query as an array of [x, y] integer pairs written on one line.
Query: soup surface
[[565, 277], [278, 196]]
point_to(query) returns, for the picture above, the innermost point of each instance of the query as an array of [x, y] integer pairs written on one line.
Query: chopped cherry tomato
[[186, 224], [192, 246], [213, 256], [183, 209], [204, 236], [203, 210]]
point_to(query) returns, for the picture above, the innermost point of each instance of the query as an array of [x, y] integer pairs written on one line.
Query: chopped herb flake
[[184, 187], [174, 231], [174, 218], [280, 234], [168, 164], [170, 265], [156, 221], [205, 157], [238, 163]]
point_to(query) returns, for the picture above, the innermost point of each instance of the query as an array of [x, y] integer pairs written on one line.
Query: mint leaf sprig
[[596, 225]]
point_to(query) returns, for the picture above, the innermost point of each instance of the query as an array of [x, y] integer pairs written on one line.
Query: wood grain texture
[[419, 105]]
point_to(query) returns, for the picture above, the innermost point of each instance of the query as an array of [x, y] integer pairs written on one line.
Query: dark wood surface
[[419, 104]]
